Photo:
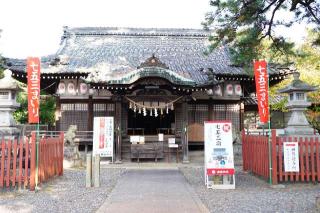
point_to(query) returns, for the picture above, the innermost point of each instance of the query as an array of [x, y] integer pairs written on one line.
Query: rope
[[152, 107]]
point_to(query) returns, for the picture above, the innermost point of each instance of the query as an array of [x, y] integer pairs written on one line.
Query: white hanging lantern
[[134, 108], [218, 90], [210, 92], [229, 89], [139, 110], [130, 105], [83, 88], [155, 112], [238, 89], [61, 88], [161, 111], [151, 112], [172, 107], [167, 110], [71, 88]]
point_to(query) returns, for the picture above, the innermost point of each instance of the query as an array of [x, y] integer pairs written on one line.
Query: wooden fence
[[18, 161], [256, 157]]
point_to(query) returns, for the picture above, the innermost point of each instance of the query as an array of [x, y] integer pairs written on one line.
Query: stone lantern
[[297, 104], [8, 104]]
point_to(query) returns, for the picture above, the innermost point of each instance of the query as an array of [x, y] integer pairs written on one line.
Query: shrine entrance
[[151, 124]]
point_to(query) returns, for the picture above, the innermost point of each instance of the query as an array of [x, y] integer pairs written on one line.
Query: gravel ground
[[63, 194], [253, 194]]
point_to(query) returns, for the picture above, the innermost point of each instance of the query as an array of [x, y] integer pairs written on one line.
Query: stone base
[[76, 163], [299, 130], [72, 157], [9, 131], [118, 162], [185, 161]]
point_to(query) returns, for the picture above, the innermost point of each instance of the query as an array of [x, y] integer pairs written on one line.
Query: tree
[[308, 64], [246, 24], [47, 108]]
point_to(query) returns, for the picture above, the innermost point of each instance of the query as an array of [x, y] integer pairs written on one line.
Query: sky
[[34, 27]]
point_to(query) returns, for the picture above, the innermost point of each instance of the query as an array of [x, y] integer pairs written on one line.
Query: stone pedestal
[[298, 124]]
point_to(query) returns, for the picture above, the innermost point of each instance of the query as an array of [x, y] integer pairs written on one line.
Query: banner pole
[[37, 154], [269, 128]]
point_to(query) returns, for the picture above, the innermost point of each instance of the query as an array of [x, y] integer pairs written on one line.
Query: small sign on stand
[[219, 163], [291, 156], [103, 136]]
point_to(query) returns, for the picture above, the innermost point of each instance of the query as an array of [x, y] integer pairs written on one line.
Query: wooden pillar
[[90, 114], [210, 110], [241, 114], [118, 139], [184, 133]]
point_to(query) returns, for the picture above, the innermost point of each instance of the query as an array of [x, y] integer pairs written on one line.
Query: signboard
[[171, 140], [135, 139], [103, 129], [261, 79], [160, 137], [219, 163], [33, 73], [291, 156]]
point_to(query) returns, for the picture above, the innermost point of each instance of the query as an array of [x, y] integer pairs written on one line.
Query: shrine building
[[150, 80]]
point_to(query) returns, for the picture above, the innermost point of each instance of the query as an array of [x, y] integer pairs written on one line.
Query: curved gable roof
[[122, 50]]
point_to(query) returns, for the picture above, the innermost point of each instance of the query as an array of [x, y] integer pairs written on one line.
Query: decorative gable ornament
[[61, 88], [238, 89], [71, 89], [153, 62], [229, 89], [218, 90], [83, 88]]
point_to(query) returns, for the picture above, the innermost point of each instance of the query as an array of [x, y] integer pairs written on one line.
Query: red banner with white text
[[33, 72], [261, 79]]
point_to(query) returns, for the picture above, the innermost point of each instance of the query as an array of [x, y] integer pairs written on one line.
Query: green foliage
[[2, 61], [280, 106], [47, 109], [21, 114], [1, 68], [247, 26], [307, 62]]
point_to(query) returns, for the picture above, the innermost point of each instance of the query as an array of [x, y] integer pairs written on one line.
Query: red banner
[[33, 71], [261, 79]]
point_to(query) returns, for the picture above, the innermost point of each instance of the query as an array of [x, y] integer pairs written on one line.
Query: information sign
[[219, 163], [291, 156], [103, 132]]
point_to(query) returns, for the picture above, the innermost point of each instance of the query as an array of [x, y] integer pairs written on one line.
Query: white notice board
[[103, 132], [291, 156], [219, 162]]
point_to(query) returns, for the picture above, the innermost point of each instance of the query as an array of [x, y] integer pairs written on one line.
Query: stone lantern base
[[299, 130], [9, 132]]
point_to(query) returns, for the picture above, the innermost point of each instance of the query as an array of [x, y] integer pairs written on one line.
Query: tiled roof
[[252, 100], [115, 52], [297, 85]]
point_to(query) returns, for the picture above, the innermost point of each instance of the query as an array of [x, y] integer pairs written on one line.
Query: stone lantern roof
[[297, 85], [8, 83]]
